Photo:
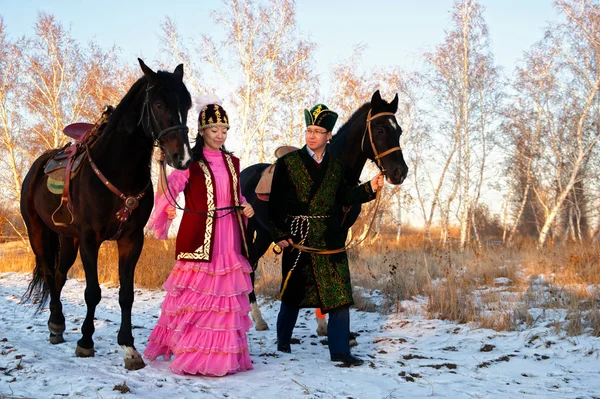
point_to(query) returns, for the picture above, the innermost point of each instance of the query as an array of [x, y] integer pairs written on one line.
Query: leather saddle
[[263, 188], [65, 164]]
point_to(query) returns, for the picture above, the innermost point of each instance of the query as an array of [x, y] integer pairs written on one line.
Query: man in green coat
[[304, 208]]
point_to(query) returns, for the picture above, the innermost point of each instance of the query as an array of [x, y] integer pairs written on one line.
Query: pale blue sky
[[395, 32]]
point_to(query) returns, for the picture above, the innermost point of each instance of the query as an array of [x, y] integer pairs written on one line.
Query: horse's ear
[[149, 73], [394, 103], [376, 99], [179, 70]]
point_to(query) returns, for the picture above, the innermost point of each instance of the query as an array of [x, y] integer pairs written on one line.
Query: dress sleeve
[[159, 222]]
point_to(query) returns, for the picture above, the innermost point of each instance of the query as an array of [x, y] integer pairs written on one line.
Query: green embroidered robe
[[300, 187]]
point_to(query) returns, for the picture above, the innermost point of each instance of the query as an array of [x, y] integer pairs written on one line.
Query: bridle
[[150, 123], [377, 155], [211, 213]]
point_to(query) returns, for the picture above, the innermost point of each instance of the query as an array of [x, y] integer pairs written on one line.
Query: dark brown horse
[[154, 111], [372, 131]]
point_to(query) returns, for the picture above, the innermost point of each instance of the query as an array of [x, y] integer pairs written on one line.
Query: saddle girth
[[70, 158]]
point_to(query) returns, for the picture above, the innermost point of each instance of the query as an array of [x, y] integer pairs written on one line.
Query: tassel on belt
[[300, 227]]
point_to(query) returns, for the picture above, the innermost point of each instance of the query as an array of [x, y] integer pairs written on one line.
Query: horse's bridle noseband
[[150, 123], [377, 155]]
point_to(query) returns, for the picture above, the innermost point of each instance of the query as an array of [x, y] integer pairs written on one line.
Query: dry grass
[[152, 269], [495, 287], [565, 280]]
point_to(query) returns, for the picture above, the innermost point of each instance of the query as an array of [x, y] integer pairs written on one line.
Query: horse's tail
[[38, 290], [43, 240]]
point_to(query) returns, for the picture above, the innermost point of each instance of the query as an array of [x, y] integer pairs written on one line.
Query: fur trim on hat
[[206, 99]]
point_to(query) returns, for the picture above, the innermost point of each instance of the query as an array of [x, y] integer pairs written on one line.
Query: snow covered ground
[[407, 356]]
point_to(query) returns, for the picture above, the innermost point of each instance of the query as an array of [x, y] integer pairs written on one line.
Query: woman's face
[[214, 137]]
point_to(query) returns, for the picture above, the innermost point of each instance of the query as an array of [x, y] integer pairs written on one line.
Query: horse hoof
[[82, 352], [261, 326], [135, 363], [56, 339], [56, 329]]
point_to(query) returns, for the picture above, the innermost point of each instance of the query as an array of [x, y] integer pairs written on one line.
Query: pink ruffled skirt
[[204, 317]]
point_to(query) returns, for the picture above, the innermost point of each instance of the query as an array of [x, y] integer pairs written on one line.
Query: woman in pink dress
[[204, 317]]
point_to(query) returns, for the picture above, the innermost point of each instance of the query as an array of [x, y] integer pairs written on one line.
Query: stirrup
[[61, 224]]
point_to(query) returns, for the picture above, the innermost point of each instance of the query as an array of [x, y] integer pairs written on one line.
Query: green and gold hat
[[320, 116]]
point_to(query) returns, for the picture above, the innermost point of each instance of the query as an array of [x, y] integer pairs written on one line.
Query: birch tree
[[12, 128], [465, 83], [572, 136], [268, 64], [63, 83], [526, 121]]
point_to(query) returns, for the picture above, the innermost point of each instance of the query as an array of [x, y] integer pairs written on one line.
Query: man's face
[[317, 137]]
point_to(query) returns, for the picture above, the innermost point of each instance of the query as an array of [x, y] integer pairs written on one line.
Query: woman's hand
[[377, 182], [170, 210], [248, 211], [159, 155]]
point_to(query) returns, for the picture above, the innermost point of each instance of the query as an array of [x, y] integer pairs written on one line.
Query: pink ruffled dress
[[204, 317]]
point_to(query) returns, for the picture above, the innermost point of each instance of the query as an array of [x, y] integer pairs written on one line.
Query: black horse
[[353, 144], [154, 111]]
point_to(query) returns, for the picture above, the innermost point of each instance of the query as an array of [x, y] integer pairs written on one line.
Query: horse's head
[[381, 141], [164, 115]]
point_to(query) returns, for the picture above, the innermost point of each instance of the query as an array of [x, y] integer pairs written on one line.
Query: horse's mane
[[123, 106], [338, 143], [126, 101], [120, 111]]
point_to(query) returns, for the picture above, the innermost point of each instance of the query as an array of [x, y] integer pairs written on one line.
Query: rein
[[149, 125], [173, 201], [378, 157], [317, 251]]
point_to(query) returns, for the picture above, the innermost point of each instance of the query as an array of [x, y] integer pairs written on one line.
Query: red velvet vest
[[195, 238]]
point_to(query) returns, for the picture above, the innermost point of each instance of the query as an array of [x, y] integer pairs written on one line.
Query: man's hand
[[377, 182], [285, 243], [248, 211]]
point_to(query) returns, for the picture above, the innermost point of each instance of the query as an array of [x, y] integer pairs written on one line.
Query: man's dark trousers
[[338, 327]]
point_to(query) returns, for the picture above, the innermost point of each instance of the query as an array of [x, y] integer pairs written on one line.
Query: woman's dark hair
[[197, 153]]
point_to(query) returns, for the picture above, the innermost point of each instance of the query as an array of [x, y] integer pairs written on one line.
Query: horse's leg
[[88, 250], [259, 323], [56, 323], [261, 245], [130, 248], [321, 323]]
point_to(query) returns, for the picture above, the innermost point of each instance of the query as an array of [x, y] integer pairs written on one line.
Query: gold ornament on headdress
[[217, 114], [203, 115], [316, 112]]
